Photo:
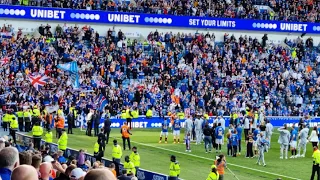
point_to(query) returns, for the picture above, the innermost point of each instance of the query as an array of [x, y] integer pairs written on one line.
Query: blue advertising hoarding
[[155, 122], [141, 174], [105, 17]]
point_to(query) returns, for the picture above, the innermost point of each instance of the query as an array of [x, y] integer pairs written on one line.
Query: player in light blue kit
[[262, 144], [164, 131], [176, 130], [188, 141], [256, 135]]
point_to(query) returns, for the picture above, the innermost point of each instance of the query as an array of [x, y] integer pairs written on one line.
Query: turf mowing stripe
[[244, 167]]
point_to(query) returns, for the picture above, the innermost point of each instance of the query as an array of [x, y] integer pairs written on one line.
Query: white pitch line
[[244, 167]]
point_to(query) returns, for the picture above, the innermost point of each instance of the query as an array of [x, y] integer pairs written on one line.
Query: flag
[[51, 109], [4, 61], [100, 84], [38, 81], [100, 101], [72, 68]]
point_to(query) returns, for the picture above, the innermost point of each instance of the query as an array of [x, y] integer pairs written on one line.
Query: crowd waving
[[164, 72]]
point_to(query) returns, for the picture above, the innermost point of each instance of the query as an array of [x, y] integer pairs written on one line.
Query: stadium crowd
[[303, 11], [164, 72]]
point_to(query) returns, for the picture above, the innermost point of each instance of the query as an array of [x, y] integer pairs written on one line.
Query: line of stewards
[[37, 132], [125, 135], [116, 155], [63, 142], [129, 165], [213, 175], [13, 128], [174, 169], [135, 158], [6, 119]]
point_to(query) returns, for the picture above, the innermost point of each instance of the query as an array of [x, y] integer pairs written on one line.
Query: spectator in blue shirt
[[9, 159], [239, 131], [235, 141], [219, 136]]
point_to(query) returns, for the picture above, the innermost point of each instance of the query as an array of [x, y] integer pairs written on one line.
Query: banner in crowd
[[155, 122], [90, 16], [141, 174]]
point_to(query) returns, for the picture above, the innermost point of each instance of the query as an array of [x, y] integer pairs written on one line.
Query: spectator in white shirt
[[299, 101], [313, 138]]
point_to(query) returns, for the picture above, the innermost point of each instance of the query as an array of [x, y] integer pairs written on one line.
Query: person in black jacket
[[96, 120], [107, 129], [102, 141], [70, 119], [207, 138], [213, 135]]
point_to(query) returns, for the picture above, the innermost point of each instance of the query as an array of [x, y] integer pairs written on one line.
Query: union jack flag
[[100, 84], [38, 81], [4, 61]]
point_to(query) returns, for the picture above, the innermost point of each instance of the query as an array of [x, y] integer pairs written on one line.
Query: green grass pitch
[[196, 165]]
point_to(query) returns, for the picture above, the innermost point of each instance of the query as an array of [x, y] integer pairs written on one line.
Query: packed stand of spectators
[[30, 164], [164, 72], [305, 11]]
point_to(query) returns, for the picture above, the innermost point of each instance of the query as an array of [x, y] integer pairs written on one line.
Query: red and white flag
[[5, 60], [38, 81]]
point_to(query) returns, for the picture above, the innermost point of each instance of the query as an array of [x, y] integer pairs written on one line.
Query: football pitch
[[196, 164]]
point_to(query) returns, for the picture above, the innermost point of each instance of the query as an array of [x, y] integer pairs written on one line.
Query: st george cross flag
[[38, 81]]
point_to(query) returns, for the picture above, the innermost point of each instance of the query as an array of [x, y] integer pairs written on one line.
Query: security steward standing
[[129, 165], [116, 155], [35, 115], [174, 169], [20, 119], [97, 151], [11, 116], [63, 142], [125, 135], [14, 128], [48, 136], [316, 162], [214, 175], [59, 125], [37, 132], [27, 120], [5, 121], [135, 158]]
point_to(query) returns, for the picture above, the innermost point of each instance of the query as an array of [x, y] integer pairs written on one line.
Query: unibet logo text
[[124, 18], [52, 14]]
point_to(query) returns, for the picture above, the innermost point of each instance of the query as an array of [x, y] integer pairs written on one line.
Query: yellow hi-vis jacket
[[135, 158], [116, 152], [174, 169]]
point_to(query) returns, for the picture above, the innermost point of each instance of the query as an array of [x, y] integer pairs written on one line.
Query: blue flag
[[72, 68]]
